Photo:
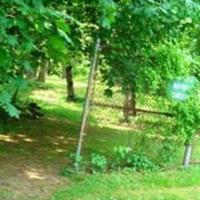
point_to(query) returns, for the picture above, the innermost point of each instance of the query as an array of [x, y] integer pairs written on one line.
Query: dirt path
[[32, 155], [22, 180]]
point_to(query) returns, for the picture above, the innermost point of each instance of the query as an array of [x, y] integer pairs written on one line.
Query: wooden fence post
[[187, 155], [86, 108]]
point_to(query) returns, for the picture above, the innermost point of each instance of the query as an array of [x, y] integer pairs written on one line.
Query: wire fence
[[141, 121], [149, 132]]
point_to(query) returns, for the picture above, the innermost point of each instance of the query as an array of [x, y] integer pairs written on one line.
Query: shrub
[[99, 163], [124, 158], [121, 156], [140, 162]]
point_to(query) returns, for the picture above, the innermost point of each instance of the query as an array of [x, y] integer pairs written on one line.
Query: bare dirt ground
[[23, 180], [32, 156]]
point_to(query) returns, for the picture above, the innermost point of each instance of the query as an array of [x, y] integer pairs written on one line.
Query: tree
[[142, 46], [140, 41], [28, 30], [70, 84]]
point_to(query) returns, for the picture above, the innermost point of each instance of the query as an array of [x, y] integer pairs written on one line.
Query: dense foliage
[[31, 32], [140, 40], [143, 47]]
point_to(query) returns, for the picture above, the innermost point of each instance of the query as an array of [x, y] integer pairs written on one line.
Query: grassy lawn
[[171, 185], [34, 152]]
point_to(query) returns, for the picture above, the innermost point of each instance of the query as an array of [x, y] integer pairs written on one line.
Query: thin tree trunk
[[129, 104], [43, 71], [70, 84]]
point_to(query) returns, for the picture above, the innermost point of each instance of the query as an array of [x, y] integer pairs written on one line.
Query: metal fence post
[[86, 108]]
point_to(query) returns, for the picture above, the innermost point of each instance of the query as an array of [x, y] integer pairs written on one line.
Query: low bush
[[123, 158]]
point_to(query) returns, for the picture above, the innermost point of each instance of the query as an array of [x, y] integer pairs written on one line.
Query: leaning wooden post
[[86, 108], [187, 155]]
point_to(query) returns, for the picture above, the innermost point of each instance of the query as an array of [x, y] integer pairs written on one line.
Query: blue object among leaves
[[181, 87]]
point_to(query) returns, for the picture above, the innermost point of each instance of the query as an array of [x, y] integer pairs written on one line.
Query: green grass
[[49, 141], [171, 185], [105, 131]]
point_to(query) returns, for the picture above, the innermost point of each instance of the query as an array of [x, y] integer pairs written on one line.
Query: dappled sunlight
[[60, 150], [61, 82], [61, 137], [116, 127], [72, 106], [56, 143], [15, 139], [81, 85], [21, 135], [34, 174], [29, 140], [72, 140], [55, 80], [7, 138], [47, 95], [25, 138], [101, 97]]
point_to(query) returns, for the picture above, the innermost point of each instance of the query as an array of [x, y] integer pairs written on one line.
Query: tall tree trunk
[[129, 104], [63, 75], [70, 84], [33, 74], [43, 71]]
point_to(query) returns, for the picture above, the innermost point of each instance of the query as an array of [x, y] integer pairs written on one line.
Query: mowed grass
[[170, 185], [33, 153]]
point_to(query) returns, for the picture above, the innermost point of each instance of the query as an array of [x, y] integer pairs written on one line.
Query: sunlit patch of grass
[[171, 185], [51, 96]]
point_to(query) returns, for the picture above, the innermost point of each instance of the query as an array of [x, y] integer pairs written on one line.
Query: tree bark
[[70, 84], [129, 104], [43, 71]]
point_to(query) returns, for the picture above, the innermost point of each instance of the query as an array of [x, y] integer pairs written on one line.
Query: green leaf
[[5, 59], [62, 25], [5, 103], [108, 12], [5, 98], [38, 3], [12, 40], [56, 43], [28, 46], [12, 111], [27, 66]]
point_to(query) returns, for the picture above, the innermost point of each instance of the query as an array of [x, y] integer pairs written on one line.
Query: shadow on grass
[[52, 137], [32, 155], [43, 139]]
